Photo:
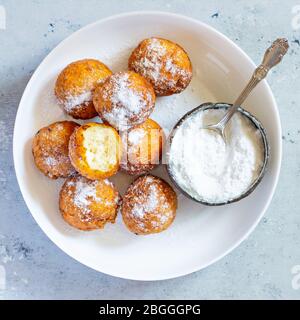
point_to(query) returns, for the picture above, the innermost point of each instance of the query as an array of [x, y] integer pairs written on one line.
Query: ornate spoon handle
[[272, 57]]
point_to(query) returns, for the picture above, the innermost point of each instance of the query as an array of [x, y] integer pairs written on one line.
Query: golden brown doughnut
[[126, 99], [149, 205], [50, 149], [88, 204], [142, 146], [164, 63], [75, 85]]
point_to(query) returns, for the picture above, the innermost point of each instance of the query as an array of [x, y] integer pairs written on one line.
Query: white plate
[[200, 235]]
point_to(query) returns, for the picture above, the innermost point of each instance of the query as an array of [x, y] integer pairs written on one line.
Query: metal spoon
[[272, 57]]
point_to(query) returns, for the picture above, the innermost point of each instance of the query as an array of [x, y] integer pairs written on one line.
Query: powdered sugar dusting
[[174, 69], [129, 98], [84, 193], [127, 102], [72, 102], [151, 206], [50, 161], [152, 63], [141, 208]]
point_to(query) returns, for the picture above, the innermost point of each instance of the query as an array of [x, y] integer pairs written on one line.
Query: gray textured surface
[[259, 268]]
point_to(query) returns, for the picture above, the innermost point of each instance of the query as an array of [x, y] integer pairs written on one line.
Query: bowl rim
[[255, 122], [35, 213]]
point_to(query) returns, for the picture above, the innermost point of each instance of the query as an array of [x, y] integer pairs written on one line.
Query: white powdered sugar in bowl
[[208, 169]]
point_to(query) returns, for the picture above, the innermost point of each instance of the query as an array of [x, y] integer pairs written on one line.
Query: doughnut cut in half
[[95, 150]]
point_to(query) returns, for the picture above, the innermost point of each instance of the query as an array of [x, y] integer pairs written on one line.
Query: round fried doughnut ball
[[126, 99], [164, 63], [149, 205], [88, 204], [95, 150], [142, 146], [75, 85], [50, 149]]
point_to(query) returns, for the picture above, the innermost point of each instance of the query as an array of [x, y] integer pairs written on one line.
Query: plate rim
[[186, 270]]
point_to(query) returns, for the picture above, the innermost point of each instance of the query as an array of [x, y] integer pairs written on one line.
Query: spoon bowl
[[253, 120]]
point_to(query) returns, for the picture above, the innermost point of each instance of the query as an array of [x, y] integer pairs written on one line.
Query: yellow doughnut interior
[[101, 148]]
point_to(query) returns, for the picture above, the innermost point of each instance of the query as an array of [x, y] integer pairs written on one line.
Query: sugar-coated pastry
[[142, 147], [95, 150], [149, 205], [88, 204], [125, 100], [164, 63], [50, 149], [75, 85]]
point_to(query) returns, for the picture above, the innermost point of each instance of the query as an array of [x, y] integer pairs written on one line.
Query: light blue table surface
[[259, 268]]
